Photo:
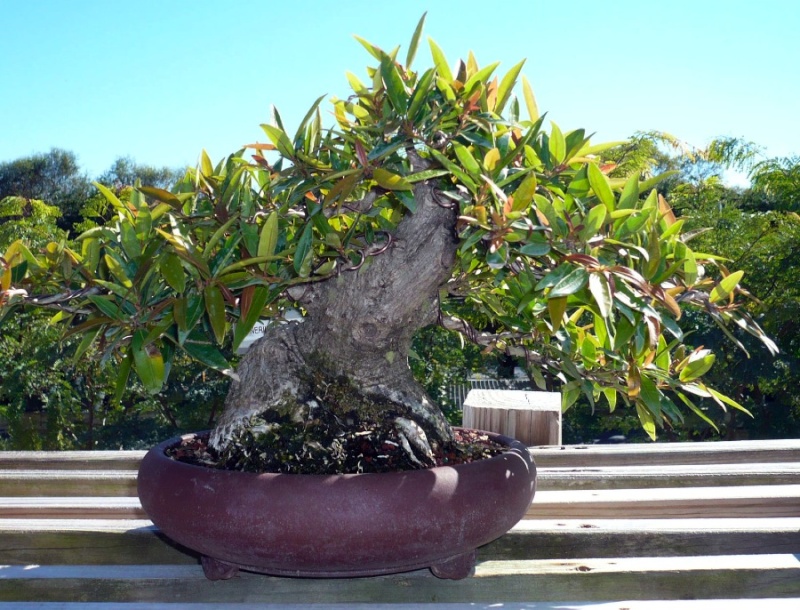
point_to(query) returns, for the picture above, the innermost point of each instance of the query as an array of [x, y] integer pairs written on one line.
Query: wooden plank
[[88, 541], [580, 538], [708, 475], [762, 576], [675, 604], [533, 418], [17, 483], [76, 483], [666, 503], [652, 454], [70, 460], [718, 502], [134, 541], [76, 508], [554, 456]]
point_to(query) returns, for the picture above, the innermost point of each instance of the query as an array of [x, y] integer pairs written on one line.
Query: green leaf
[[455, 170], [412, 47], [172, 271], [395, 88], [161, 195], [468, 162], [371, 48], [535, 246], [593, 222], [215, 308], [555, 276], [530, 99], [111, 197], [690, 269], [647, 420], [268, 240], [279, 139], [646, 185], [440, 61], [199, 348], [570, 392], [601, 187], [651, 396], [148, 363], [574, 140], [611, 397], [206, 167], [579, 185], [663, 360], [557, 145], [697, 411], [179, 312], [697, 365], [630, 193], [556, 307], [106, 306], [523, 196], [122, 377], [507, 86], [261, 295], [303, 248], [420, 93], [218, 234], [570, 284], [674, 229], [301, 129], [355, 84], [721, 398], [588, 352], [127, 236], [86, 343], [426, 174], [726, 286], [479, 77], [601, 293], [390, 181], [118, 271]]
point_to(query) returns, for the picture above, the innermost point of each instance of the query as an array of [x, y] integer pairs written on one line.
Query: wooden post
[[533, 418]]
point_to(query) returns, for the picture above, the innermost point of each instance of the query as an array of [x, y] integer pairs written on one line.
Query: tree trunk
[[359, 326]]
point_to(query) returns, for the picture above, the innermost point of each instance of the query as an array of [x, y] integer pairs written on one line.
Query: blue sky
[[161, 80]]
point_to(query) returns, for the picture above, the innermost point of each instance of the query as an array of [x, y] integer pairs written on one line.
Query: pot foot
[[214, 569], [455, 568]]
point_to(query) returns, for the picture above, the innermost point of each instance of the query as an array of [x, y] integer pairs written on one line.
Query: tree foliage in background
[[757, 231], [54, 177]]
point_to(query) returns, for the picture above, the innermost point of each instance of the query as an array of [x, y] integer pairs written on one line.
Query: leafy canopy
[[582, 274]]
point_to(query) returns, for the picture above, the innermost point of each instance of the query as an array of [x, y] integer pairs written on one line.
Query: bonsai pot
[[338, 525]]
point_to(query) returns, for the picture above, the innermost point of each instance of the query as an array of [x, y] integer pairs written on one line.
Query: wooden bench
[[643, 526]]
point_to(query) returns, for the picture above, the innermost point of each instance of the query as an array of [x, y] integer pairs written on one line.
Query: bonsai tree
[[437, 197]]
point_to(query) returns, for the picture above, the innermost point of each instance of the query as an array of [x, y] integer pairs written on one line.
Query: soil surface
[[355, 451]]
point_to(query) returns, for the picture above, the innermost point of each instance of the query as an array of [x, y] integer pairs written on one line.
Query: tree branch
[[485, 339], [59, 301]]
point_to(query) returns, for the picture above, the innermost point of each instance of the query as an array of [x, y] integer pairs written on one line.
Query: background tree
[[755, 232], [54, 177], [124, 171]]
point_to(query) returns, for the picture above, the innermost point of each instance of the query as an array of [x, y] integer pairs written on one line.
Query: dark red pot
[[338, 525]]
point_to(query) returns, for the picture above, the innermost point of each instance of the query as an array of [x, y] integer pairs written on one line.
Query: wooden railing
[[671, 522]]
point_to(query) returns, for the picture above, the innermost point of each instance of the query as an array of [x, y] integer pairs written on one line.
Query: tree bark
[[359, 325]]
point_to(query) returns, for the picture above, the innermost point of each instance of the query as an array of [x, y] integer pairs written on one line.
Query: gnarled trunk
[[359, 325]]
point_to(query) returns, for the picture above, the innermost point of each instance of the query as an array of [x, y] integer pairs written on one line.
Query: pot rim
[[511, 445]]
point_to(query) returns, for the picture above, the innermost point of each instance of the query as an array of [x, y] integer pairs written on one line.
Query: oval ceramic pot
[[338, 525]]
